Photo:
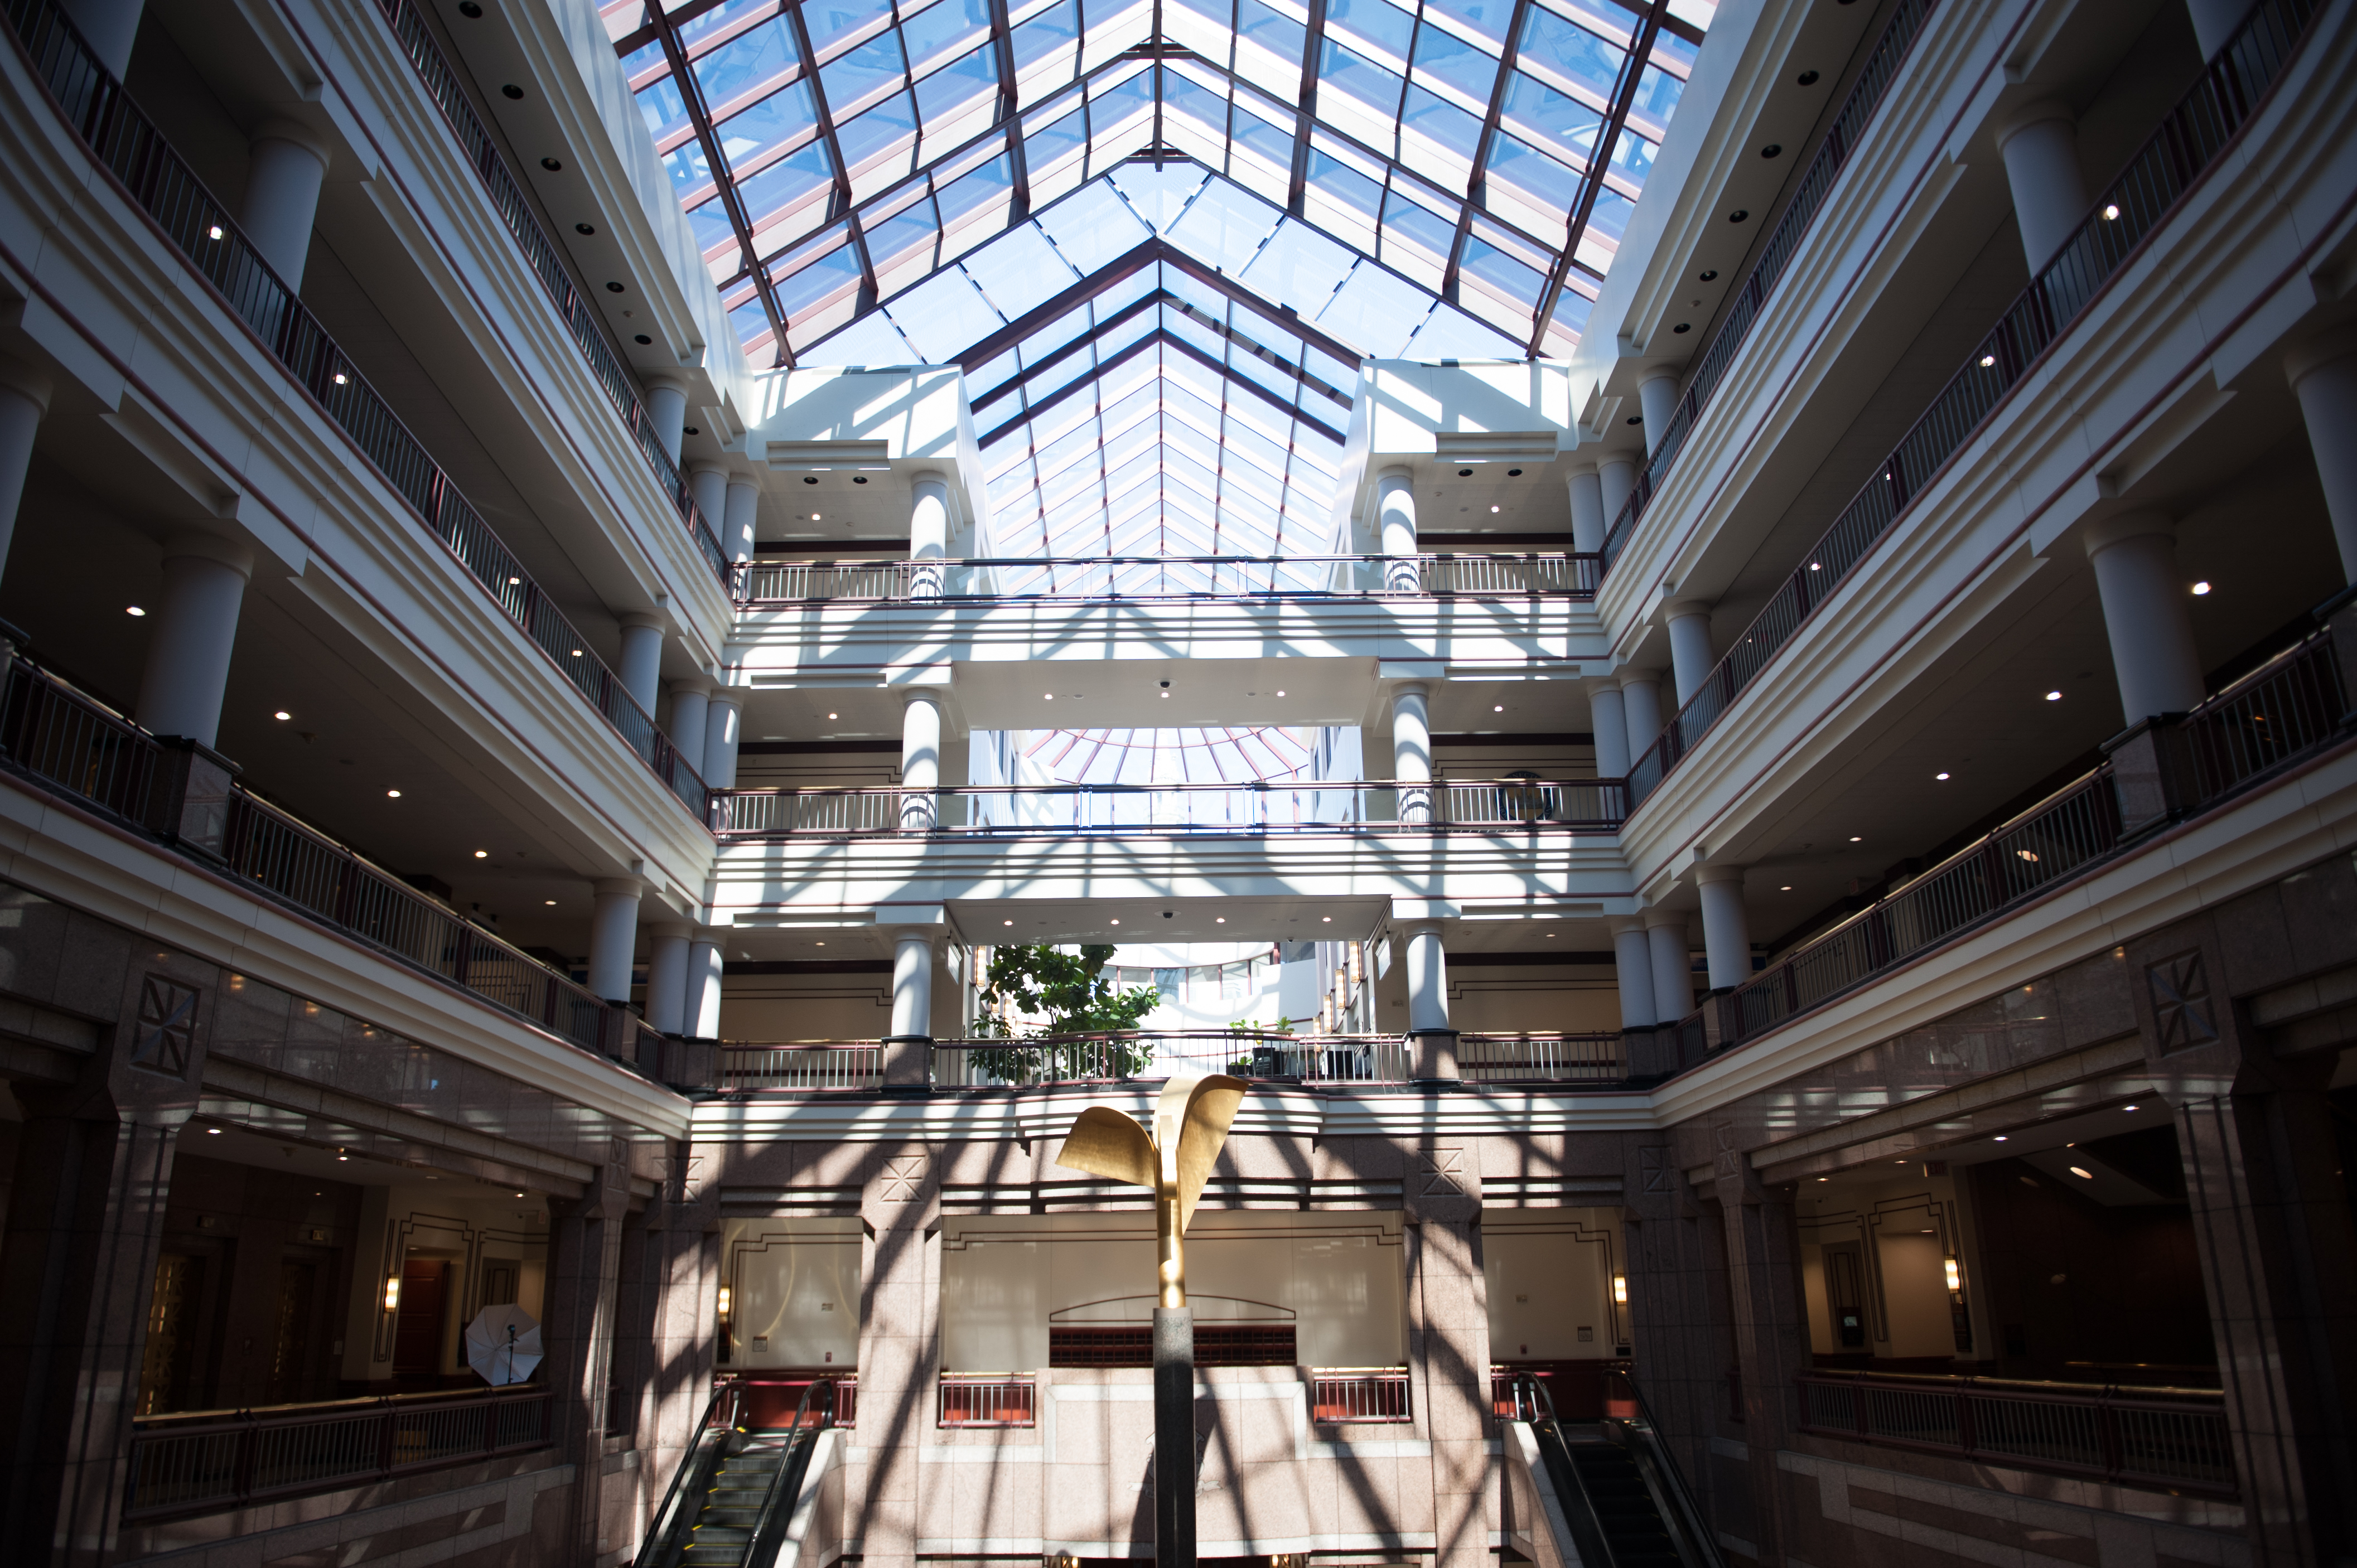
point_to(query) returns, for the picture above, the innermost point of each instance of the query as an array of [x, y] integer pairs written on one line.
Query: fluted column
[[1588, 518], [929, 534], [614, 938], [1608, 718], [1726, 932], [2324, 375], [194, 633], [667, 411], [2040, 149], [1632, 966], [640, 665], [1690, 655], [920, 758], [23, 399], [1665, 937], [1395, 523], [282, 196], [1657, 397], [2146, 614]]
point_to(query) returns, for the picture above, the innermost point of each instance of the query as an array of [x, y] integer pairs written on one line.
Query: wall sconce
[[1619, 1290], [393, 1292], [724, 1301], [1955, 1274]]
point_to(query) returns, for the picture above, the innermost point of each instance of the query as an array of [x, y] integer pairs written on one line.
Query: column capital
[[1682, 610], [695, 685], [191, 543], [1624, 924], [28, 381], [2045, 112], [911, 695], [647, 619], [1658, 916], [1705, 874], [2098, 537], [668, 382], [295, 133], [2325, 349], [1411, 689], [619, 886]]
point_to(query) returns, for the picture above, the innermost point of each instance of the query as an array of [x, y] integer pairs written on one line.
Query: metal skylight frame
[[1014, 123]]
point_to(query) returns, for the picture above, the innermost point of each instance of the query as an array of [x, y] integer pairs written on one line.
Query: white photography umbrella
[[504, 1345]]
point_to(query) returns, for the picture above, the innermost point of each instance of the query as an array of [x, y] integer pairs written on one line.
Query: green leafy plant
[[1070, 990]]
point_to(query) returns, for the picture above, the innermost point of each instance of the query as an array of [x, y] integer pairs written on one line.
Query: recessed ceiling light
[[214, 1131], [282, 713], [133, 611], [813, 517], [1786, 888], [585, 228], [1710, 274], [1494, 508], [1497, 707], [1047, 697], [1998, 1139], [1987, 360], [1163, 695], [1328, 918], [2111, 212], [2127, 1107], [1006, 922], [549, 902], [832, 715], [482, 854], [2053, 696], [213, 231], [1280, 690], [2201, 588], [821, 944], [393, 794], [1218, 919], [1824, 1179], [1116, 921], [1855, 839], [1940, 776], [2082, 1173]]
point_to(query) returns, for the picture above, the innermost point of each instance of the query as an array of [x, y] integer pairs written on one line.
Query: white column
[[920, 758], [929, 534], [108, 27], [640, 666], [1726, 934], [2324, 375], [2041, 163], [1632, 966], [1608, 716], [24, 399], [1666, 936], [1616, 477], [193, 635], [1690, 656], [700, 1017], [744, 505], [1395, 525], [1588, 520], [1640, 699], [1427, 981], [1657, 398], [691, 706], [667, 967], [1412, 752], [667, 409], [614, 938], [282, 196], [2147, 614], [2214, 22], [722, 722], [912, 985], [707, 486]]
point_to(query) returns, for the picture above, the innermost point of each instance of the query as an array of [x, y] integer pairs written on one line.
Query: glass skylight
[[1185, 755], [890, 183]]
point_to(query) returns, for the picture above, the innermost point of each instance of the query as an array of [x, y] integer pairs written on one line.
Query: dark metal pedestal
[[1174, 1437]]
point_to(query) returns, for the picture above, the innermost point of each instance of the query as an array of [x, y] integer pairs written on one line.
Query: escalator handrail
[[1580, 1515], [769, 1525], [660, 1551], [1684, 1516]]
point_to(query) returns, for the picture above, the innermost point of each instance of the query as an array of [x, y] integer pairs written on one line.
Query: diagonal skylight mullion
[[869, 295], [699, 114], [1632, 71], [1477, 192]]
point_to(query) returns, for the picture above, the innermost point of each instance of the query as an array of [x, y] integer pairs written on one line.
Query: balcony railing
[[212, 1460], [541, 254], [988, 1399], [153, 176], [1545, 575], [2184, 149], [802, 1064], [1360, 1396], [71, 743], [1126, 1055], [2173, 1439], [1711, 366], [1593, 805], [1541, 1058], [2290, 708]]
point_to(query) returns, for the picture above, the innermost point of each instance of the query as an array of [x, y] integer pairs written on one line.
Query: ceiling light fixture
[[282, 713], [1280, 690], [2199, 589], [214, 1131], [2082, 1173], [549, 902], [1006, 922], [1497, 707], [1116, 920], [2111, 212], [2053, 696], [133, 611], [1494, 508], [1218, 919], [833, 715], [2127, 1108], [1987, 360], [482, 854], [1942, 777], [1998, 1139], [1855, 839], [393, 794], [1786, 888]]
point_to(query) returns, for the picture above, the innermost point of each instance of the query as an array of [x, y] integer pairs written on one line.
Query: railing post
[[2151, 774]]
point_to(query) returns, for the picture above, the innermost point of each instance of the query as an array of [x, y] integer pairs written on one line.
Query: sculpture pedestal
[[1174, 1437]]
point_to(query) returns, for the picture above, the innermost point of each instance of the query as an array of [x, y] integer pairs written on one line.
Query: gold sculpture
[[1174, 1160]]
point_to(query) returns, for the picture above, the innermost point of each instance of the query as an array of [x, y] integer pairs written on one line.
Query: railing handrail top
[[197, 1421], [946, 561], [2019, 1388], [1124, 1035], [1268, 785], [2244, 684]]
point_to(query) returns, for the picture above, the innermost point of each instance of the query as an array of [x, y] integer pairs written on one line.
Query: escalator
[[1623, 1500], [733, 1497]]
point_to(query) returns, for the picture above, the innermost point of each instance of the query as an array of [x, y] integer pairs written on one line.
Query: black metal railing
[[208, 1461], [2290, 708], [201, 228], [547, 265], [1469, 576], [2172, 1438], [2186, 146], [52, 733], [1711, 366]]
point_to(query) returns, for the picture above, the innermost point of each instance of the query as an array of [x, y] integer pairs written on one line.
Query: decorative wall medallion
[[902, 1176], [1439, 1172], [1654, 1169], [167, 1025], [2181, 1002]]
